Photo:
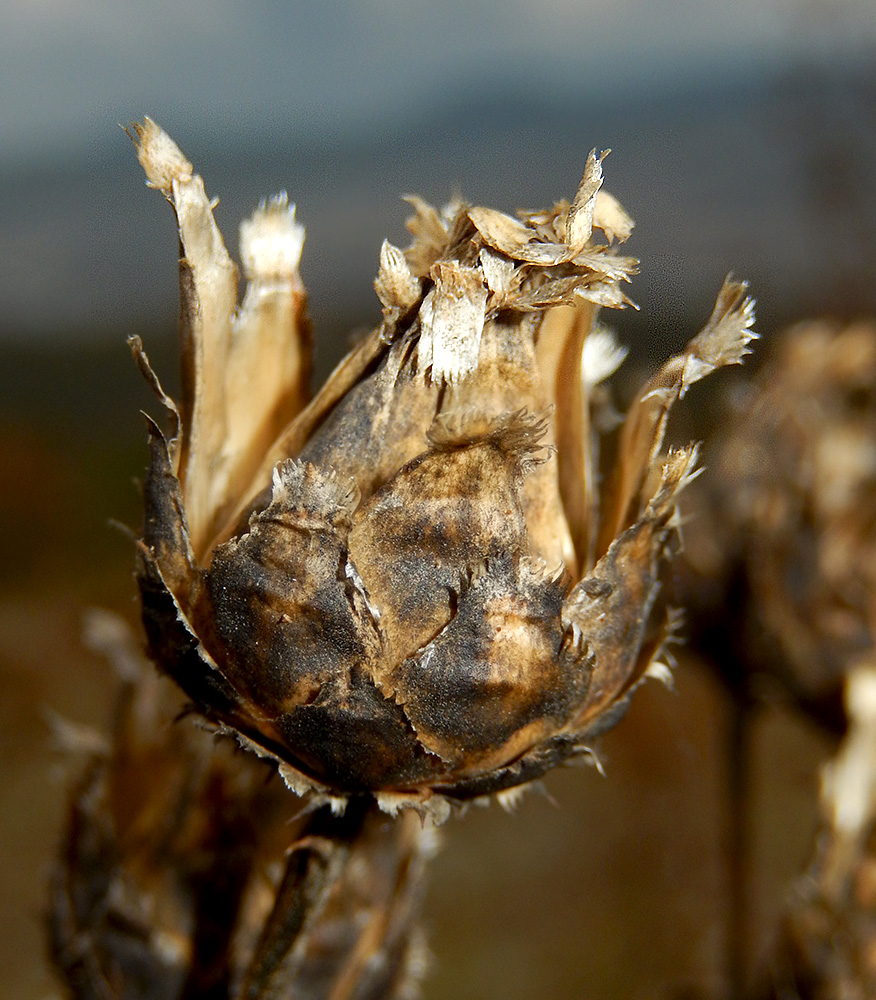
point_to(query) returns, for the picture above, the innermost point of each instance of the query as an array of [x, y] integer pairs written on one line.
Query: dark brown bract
[[417, 585]]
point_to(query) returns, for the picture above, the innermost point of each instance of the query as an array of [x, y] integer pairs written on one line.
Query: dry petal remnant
[[414, 585]]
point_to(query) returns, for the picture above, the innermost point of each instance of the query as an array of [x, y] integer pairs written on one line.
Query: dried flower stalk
[[411, 591]]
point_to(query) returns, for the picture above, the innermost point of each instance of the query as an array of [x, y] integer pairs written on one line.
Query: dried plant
[[790, 520], [414, 590], [784, 554], [185, 872]]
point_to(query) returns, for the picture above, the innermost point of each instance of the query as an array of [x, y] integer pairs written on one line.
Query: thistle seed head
[[416, 585], [791, 515]]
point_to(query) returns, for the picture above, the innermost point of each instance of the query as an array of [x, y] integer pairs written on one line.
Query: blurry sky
[[735, 127], [68, 69]]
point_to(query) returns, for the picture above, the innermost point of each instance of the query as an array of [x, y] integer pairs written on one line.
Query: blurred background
[[744, 139]]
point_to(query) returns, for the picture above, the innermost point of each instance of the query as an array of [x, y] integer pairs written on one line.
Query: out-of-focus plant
[[791, 514], [782, 557]]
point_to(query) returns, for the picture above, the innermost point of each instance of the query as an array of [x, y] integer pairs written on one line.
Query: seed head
[[416, 585], [792, 509]]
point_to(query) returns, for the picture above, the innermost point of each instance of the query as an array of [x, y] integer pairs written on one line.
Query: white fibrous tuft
[[161, 158], [452, 319], [271, 241], [602, 356]]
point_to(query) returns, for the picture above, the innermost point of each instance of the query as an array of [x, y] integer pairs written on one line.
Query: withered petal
[[723, 341], [396, 286], [579, 225], [612, 608], [283, 615]]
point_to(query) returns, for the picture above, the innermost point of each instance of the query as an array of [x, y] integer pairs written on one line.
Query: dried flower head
[[793, 511], [415, 585]]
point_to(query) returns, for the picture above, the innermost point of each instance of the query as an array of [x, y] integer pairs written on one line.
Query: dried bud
[[414, 586], [793, 494], [827, 945]]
